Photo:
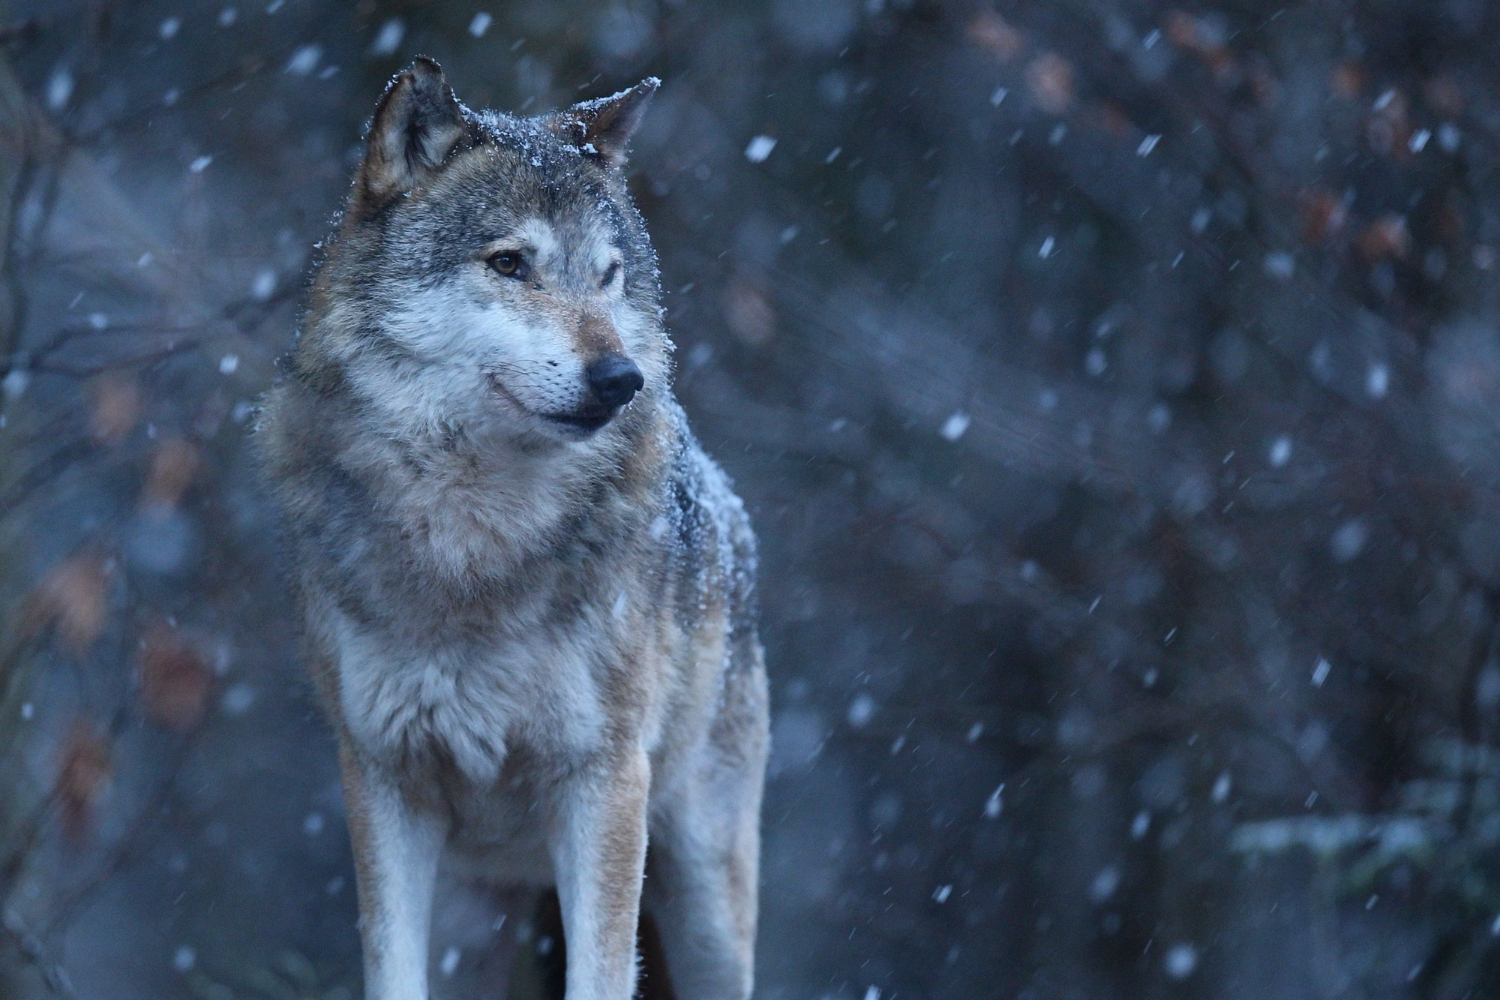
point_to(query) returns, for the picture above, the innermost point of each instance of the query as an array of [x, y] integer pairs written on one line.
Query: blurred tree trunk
[[14, 144], [17, 138]]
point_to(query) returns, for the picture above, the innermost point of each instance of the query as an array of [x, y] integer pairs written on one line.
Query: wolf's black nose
[[615, 379]]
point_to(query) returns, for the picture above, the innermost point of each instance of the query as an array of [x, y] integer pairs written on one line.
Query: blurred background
[[1115, 387]]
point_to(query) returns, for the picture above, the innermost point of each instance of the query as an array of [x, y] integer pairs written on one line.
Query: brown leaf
[[1323, 217], [996, 35], [72, 597], [1449, 221], [1386, 238], [1263, 83], [1050, 79], [174, 676], [1199, 38], [749, 312], [1389, 127], [86, 766], [1185, 31], [116, 407], [1348, 80], [172, 470], [1113, 119], [1445, 96]]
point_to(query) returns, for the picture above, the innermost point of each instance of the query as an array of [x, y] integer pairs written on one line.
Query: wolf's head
[[491, 272]]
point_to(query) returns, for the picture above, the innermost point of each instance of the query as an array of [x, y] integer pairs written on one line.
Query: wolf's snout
[[615, 380]]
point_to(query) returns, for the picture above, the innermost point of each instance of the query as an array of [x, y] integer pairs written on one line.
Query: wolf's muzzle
[[615, 380]]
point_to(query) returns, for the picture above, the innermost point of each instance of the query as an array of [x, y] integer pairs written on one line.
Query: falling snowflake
[[263, 285], [59, 88], [759, 148], [953, 428], [1320, 673], [388, 40], [861, 710], [1281, 452], [304, 60], [1181, 960]]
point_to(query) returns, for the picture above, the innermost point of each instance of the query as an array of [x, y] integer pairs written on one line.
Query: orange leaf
[[72, 597], [172, 470], [1050, 79], [1385, 239], [995, 35], [749, 312], [116, 409], [1348, 80], [175, 678], [86, 768], [1323, 216]]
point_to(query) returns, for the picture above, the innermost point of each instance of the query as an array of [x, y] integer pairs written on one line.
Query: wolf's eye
[[509, 263], [609, 274]]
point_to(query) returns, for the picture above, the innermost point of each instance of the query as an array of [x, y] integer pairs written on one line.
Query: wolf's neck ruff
[[476, 504]]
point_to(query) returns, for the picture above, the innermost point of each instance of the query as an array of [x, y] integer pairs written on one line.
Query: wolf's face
[[505, 281]]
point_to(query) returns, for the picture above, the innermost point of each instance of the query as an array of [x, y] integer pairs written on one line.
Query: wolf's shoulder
[[709, 524]]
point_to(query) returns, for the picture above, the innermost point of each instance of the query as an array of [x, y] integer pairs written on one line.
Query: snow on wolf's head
[[496, 272]]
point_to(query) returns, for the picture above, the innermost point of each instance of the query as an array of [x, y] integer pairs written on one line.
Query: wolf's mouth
[[588, 419], [585, 420]]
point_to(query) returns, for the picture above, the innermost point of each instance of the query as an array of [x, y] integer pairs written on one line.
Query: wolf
[[527, 594]]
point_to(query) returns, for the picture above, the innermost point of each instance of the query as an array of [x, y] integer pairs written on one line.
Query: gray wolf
[[527, 594]]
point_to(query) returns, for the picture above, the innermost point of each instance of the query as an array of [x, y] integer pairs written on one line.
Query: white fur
[[398, 700], [465, 334], [484, 516], [538, 235], [455, 332], [404, 858]]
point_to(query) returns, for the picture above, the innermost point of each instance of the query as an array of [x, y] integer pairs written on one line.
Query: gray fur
[[535, 636]]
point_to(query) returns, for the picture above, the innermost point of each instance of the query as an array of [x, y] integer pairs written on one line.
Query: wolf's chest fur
[[467, 702], [474, 615]]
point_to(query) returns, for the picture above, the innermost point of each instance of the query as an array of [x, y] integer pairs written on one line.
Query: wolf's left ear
[[603, 127], [417, 124]]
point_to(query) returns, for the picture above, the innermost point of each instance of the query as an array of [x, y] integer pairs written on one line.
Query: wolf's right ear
[[603, 127], [417, 124]]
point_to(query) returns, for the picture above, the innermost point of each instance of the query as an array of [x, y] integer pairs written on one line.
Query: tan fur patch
[[596, 335]]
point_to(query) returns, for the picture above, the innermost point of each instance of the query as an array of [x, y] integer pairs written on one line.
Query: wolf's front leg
[[396, 851], [599, 855]]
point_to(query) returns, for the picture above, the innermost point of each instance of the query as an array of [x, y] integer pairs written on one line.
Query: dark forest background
[[1115, 387]]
